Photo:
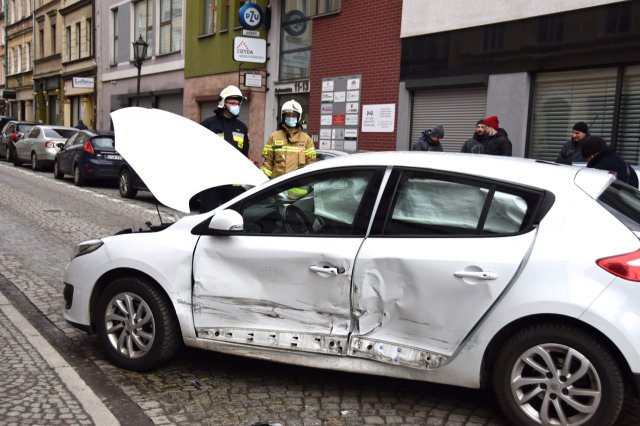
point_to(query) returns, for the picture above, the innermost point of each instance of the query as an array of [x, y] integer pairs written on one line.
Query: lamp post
[[139, 55]]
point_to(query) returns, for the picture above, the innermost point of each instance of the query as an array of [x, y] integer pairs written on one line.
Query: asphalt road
[[41, 219]]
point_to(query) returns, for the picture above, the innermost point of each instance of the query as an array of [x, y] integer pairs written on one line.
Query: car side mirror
[[226, 221], [60, 145]]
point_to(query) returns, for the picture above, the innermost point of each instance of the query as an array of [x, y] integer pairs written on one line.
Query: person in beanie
[[498, 142], [430, 140], [599, 156], [570, 151], [475, 145]]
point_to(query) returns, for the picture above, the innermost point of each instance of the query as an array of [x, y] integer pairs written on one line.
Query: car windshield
[[623, 201], [57, 133], [103, 142]]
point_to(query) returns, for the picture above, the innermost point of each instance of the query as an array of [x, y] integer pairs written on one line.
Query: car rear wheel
[[554, 374], [124, 185], [35, 164], [7, 154], [78, 180], [56, 171], [16, 160], [136, 325]]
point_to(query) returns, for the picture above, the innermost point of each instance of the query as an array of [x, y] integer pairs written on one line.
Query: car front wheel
[[124, 185], [557, 375], [56, 171], [136, 326]]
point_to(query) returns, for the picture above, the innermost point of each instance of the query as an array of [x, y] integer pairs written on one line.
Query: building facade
[[539, 66], [19, 59], [118, 24], [48, 88]]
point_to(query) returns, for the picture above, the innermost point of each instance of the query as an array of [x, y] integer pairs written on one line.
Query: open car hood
[[177, 157]]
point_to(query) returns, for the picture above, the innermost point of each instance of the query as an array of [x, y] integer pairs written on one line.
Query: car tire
[[78, 180], [16, 160], [7, 154], [35, 164], [534, 383], [124, 184], [136, 325], [57, 174]]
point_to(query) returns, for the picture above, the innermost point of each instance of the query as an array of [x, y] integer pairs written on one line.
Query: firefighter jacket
[[287, 150], [232, 130]]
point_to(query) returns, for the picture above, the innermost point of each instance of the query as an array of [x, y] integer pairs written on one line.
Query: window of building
[[54, 41], [28, 6], [19, 14], [144, 23], [68, 42], [114, 31], [210, 16], [607, 99], [78, 43], [19, 59], [170, 26], [224, 25], [27, 56], [12, 61], [12, 12], [41, 42], [89, 30]]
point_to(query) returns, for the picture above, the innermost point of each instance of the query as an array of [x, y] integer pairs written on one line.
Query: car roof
[[523, 171]]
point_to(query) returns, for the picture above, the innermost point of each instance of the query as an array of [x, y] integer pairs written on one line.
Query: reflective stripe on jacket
[[281, 155]]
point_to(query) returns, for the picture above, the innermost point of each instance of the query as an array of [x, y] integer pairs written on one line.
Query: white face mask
[[234, 110], [291, 122]]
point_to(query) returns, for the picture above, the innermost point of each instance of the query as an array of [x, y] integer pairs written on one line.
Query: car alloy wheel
[[78, 180], [557, 375], [136, 325], [56, 171], [124, 185], [35, 165]]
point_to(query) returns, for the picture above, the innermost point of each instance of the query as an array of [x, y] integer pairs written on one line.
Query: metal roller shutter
[[457, 109], [171, 103], [628, 146], [564, 98]]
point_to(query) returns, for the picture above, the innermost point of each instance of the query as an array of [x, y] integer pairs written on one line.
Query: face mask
[[234, 109], [291, 122]]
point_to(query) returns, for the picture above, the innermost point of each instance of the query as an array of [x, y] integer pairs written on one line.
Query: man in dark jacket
[[430, 140], [475, 145], [498, 142], [225, 124], [570, 152], [599, 156]]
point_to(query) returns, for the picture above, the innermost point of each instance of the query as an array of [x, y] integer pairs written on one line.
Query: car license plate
[[113, 157]]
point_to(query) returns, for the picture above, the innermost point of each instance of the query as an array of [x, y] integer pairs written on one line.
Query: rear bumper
[[101, 169]]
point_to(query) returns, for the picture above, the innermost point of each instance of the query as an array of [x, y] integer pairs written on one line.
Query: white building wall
[[421, 17]]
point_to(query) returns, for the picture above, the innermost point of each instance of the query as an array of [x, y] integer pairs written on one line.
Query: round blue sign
[[251, 16]]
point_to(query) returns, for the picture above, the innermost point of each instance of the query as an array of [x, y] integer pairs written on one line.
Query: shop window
[[170, 26], [144, 23], [210, 16]]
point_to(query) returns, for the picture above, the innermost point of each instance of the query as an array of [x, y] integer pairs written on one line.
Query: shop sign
[[301, 86], [247, 49], [83, 82]]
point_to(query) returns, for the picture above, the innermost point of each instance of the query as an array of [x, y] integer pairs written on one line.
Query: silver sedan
[[38, 146]]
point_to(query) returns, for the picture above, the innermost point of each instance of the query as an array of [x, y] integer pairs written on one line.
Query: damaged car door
[[284, 281], [447, 249]]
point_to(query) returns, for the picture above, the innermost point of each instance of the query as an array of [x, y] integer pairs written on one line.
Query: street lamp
[[139, 55]]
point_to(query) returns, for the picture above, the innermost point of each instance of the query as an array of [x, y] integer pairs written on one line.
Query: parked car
[[478, 271], [325, 154], [11, 132], [88, 155], [39, 145], [129, 183]]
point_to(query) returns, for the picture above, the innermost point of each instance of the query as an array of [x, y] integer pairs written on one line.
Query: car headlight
[[86, 247]]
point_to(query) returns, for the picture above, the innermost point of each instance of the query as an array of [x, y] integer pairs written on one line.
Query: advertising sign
[[251, 16], [378, 118], [247, 49]]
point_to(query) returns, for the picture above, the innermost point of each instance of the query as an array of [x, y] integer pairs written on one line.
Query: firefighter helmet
[[291, 106], [229, 92]]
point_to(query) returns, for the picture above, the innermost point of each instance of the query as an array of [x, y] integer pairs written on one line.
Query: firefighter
[[288, 148], [225, 123]]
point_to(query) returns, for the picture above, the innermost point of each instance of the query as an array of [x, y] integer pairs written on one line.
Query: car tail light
[[50, 144], [14, 136], [625, 266], [88, 148]]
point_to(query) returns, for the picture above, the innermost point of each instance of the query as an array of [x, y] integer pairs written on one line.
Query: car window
[[430, 206], [103, 142], [337, 203], [623, 201], [33, 133], [58, 133], [72, 140], [22, 128]]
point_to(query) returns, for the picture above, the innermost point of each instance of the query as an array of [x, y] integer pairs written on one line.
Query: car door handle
[[329, 270], [482, 275]]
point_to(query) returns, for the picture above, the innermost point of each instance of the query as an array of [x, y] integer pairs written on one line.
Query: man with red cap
[[498, 143]]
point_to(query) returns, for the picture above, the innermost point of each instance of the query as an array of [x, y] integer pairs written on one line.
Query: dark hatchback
[[11, 132], [88, 155]]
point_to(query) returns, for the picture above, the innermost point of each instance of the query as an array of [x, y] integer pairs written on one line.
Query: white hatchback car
[[477, 271]]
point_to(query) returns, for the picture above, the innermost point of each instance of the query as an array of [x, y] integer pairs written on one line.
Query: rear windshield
[[623, 201], [102, 142], [23, 128], [57, 133]]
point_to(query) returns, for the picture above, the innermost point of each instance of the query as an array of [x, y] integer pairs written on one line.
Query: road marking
[[83, 393]]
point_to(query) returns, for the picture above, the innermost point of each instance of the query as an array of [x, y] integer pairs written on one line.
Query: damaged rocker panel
[[276, 339], [390, 353]]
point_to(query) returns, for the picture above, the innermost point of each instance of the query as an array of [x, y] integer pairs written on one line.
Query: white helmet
[[229, 92], [291, 106]]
